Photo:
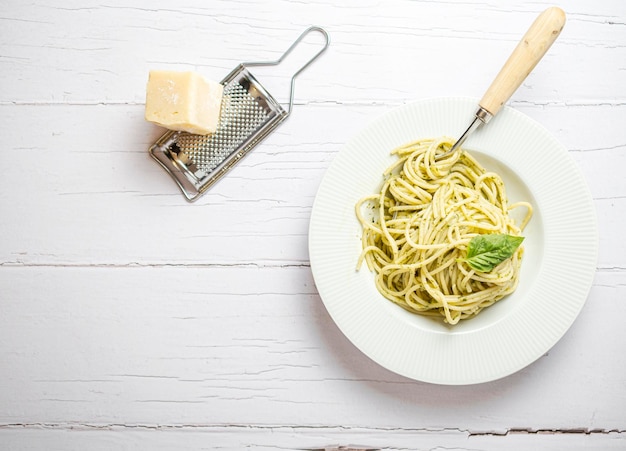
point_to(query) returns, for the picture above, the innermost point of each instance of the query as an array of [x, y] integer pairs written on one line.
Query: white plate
[[557, 271]]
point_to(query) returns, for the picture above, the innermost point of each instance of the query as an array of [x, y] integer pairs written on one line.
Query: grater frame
[[248, 114]]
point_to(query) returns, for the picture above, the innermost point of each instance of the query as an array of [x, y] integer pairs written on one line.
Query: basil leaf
[[485, 252]]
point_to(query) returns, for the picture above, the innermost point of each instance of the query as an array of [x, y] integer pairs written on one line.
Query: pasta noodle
[[419, 227]]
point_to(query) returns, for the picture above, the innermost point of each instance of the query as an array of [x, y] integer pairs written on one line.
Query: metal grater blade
[[242, 116]]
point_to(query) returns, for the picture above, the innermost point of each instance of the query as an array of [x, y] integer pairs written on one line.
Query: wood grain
[[130, 319]]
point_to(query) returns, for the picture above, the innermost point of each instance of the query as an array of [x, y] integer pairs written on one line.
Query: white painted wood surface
[[130, 319]]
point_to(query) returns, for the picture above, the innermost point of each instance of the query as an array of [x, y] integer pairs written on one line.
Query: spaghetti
[[416, 235]]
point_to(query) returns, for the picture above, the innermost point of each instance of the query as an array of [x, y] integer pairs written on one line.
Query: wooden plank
[[255, 346], [77, 437], [73, 192], [395, 50]]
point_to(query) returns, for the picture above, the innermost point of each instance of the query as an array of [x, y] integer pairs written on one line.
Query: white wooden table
[[130, 319]]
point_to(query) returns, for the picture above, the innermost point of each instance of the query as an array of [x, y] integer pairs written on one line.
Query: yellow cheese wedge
[[184, 101]]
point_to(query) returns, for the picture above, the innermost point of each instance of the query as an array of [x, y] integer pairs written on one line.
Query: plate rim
[[391, 362]]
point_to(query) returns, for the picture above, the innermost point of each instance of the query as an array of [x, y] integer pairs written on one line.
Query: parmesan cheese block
[[183, 101]]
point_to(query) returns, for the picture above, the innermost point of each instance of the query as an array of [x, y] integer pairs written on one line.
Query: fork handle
[[531, 48]]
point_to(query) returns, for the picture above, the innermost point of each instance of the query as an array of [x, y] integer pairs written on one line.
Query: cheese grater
[[248, 114]]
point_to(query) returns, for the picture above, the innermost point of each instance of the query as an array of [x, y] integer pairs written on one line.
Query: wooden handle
[[535, 43]]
